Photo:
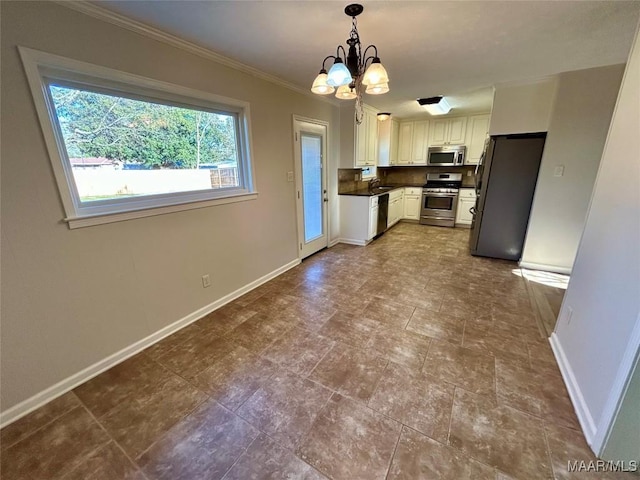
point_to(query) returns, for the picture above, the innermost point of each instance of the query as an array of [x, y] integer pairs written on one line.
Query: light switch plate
[[558, 171], [289, 176]]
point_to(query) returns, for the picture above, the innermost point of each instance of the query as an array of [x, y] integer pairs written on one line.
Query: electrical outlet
[[558, 171], [469, 173], [355, 177], [206, 281], [289, 176], [569, 314]]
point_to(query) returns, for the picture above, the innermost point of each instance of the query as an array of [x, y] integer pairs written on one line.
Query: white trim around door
[[316, 194]]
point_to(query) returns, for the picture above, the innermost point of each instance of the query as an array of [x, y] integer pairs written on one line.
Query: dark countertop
[[364, 192]]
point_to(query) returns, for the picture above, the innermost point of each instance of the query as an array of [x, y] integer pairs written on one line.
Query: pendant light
[[353, 71]]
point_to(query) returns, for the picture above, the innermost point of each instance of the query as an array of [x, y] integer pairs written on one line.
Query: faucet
[[374, 183]]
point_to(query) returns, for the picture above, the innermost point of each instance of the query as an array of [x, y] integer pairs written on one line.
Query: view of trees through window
[[120, 147]]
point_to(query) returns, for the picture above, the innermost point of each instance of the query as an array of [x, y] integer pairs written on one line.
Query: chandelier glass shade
[[353, 72], [378, 89], [320, 85], [345, 92], [375, 74]]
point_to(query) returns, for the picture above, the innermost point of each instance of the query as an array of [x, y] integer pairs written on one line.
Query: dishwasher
[[383, 213]]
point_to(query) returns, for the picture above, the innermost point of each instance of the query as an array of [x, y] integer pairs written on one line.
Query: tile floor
[[405, 359], [546, 292]]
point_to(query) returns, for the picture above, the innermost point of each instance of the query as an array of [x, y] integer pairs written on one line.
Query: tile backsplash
[[418, 175], [350, 179]]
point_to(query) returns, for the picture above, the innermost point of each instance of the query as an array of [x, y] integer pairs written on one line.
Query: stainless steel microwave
[[449, 156]]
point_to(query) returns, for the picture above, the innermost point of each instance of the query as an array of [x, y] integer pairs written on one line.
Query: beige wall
[[597, 344], [577, 132], [73, 297], [524, 108]]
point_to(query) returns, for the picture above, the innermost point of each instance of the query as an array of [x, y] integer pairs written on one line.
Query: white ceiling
[[455, 48]]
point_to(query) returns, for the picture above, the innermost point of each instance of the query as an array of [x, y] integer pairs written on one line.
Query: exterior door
[[311, 186]]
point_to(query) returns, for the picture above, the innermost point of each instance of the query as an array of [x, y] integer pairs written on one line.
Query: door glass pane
[[312, 186]]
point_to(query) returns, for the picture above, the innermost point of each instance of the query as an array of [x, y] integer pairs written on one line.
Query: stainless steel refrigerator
[[505, 182]]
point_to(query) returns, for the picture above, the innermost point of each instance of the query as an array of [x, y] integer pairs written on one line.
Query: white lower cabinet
[[373, 217], [358, 218], [396, 206], [466, 200], [412, 199]]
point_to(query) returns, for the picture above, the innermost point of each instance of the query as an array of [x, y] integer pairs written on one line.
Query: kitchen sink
[[384, 188]]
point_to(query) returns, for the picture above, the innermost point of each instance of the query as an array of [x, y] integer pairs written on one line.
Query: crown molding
[[119, 20]]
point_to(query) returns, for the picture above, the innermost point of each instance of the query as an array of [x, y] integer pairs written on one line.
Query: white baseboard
[[333, 243], [351, 241], [618, 390], [27, 406], [582, 410], [545, 268]]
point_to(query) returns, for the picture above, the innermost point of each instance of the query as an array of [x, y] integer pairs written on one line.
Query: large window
[[121, 144]]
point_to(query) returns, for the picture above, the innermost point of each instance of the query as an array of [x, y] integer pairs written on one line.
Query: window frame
[[44, 69]]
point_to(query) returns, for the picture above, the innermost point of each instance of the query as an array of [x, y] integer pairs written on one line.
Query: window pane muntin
[[239, 148]]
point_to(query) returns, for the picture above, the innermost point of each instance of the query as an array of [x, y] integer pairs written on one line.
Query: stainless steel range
[[440, 199]]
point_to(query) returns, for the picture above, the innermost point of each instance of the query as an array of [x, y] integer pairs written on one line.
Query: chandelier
[[359, 73]]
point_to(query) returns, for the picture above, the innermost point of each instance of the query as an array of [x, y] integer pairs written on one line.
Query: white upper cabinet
[[405, 139], [412, 143], [388, 133], [366, 139], [448, 131], [419, 142], [415, 138], [395, 142], [438, 132], [476, 135], [457, 131], [372, 138]]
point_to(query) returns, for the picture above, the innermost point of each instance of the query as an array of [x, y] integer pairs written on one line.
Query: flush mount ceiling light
[[435, 105], [384, 116], [359, 71]]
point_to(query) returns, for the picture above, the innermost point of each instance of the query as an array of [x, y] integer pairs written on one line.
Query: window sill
[[88, 221]]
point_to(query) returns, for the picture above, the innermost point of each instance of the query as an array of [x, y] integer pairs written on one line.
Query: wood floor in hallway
[[404, 359]]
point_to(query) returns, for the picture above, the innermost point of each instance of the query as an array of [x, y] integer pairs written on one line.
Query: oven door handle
[[452, 195]]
